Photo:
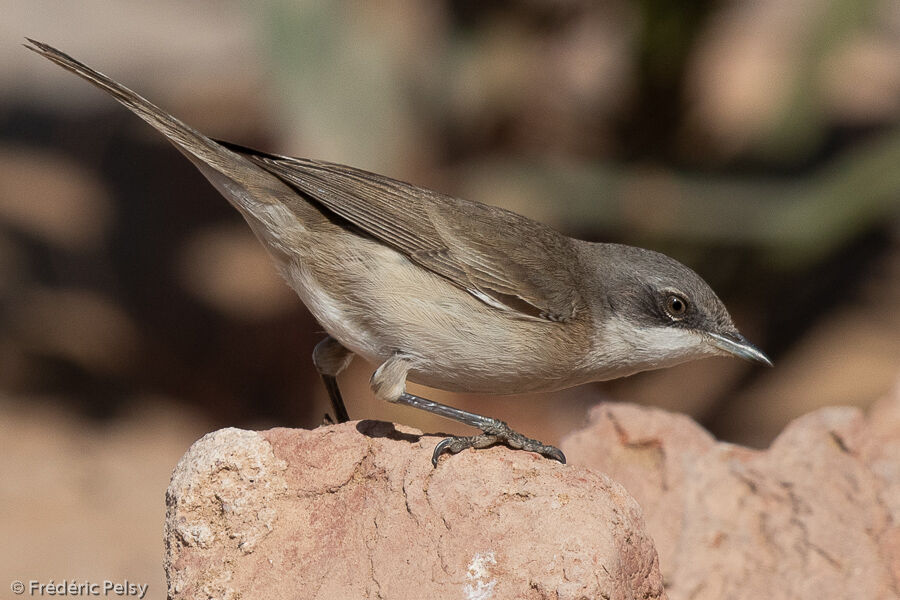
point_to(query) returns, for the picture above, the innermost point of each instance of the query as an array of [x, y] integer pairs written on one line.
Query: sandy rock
[[817, 515], [357, 511]]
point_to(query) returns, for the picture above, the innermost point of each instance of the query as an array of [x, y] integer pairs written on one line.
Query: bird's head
[[655, 312]]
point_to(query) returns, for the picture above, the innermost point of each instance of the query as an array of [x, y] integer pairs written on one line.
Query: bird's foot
[[497, 433]]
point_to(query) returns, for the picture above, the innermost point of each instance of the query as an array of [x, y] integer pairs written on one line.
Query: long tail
[[200, 149]]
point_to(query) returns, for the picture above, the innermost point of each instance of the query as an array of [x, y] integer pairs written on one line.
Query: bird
[[449, 293]]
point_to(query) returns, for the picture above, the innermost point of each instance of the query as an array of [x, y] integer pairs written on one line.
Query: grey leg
[[495, 431], [389, 383], [330, 358]]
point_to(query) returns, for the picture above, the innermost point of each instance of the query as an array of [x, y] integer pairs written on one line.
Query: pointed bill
[[737, 345]]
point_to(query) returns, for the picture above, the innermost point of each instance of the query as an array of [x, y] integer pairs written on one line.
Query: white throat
[[627, 348]]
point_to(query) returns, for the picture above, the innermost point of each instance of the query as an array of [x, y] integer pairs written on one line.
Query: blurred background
[[757, 141]]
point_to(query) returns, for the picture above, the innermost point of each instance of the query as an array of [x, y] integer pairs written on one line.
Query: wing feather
[[500, 257]]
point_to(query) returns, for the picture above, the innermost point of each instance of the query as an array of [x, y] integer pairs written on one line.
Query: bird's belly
[[377, 303], [341, 320], [473, 378]]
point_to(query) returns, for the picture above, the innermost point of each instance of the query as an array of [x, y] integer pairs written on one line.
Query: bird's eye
[[676, 306]]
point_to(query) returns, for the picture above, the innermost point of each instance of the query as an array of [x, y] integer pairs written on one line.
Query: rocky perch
[[816, 515], [357, 511]]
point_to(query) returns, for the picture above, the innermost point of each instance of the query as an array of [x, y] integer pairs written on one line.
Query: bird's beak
[[737, 345]]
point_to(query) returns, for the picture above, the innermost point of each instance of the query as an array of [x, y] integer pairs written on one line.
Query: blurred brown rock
[[51, 198], [817, 515], [229, 270], [357, 511], [82, 326]]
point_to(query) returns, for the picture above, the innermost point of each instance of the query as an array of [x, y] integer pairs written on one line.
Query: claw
[[439, 449], [556, 454], [512, 439]]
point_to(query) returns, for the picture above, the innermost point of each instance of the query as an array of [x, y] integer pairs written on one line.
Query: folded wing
[[504, 259]]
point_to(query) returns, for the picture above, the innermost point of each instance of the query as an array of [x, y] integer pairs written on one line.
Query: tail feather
[[202, 150]]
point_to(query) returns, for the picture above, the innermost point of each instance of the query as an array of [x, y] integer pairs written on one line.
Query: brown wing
[[504, 259]]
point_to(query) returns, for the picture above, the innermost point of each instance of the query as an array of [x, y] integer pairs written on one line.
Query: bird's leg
[[389, 383], [494, 431], [330, 359]]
